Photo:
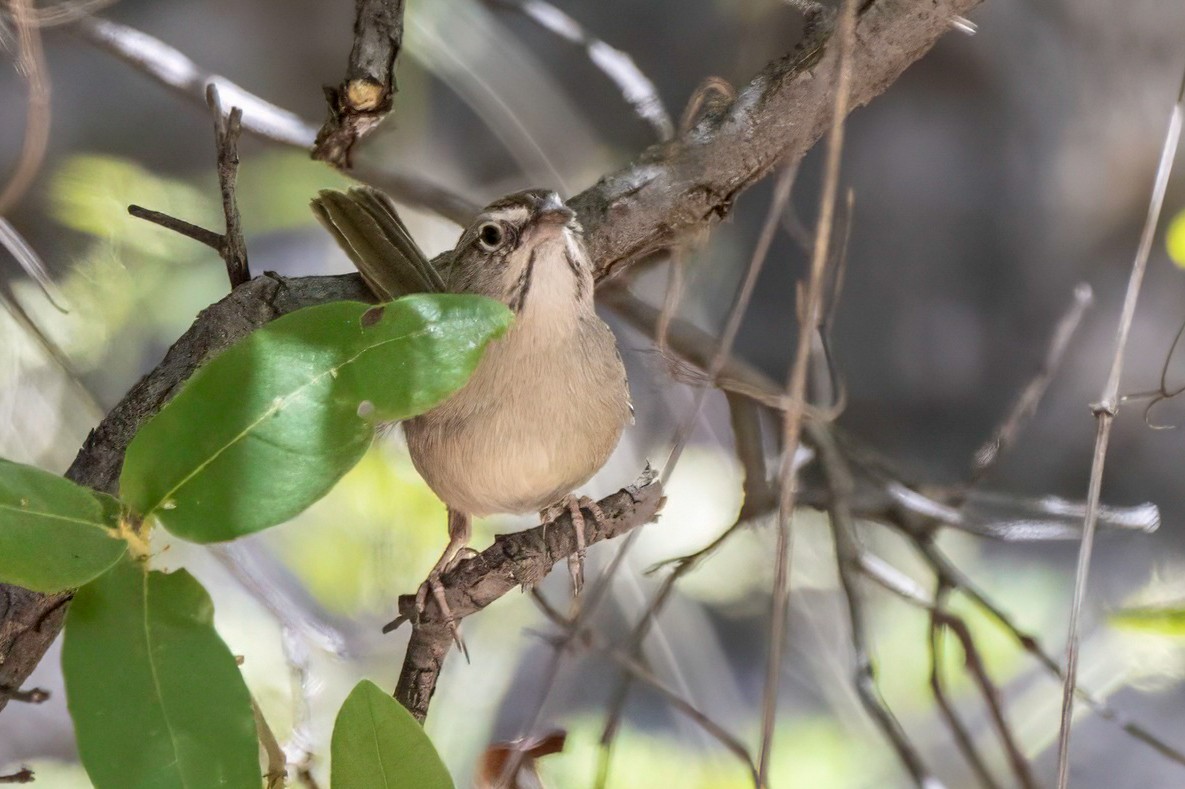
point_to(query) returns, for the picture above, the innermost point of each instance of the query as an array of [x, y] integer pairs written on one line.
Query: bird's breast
[[541, 414]]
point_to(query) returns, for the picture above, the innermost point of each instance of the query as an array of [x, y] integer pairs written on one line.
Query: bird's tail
[[366, 225]]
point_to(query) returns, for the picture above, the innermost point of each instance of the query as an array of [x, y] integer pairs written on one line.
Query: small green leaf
[[1166, 621], [268, 427], [54, 535], [1175, 239], [155, 695], [377, 744]]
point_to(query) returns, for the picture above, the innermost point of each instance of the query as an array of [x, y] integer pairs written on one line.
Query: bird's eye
[[491, 236]]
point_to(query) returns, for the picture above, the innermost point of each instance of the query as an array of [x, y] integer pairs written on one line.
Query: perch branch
[[521, 558], [669, 190], [365, 97]]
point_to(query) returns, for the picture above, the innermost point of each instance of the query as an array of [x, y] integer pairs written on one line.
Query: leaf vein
[[276, 406]]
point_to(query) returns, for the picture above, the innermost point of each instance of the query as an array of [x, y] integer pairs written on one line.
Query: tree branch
[[670, 189], [364, 98], [521, 558]]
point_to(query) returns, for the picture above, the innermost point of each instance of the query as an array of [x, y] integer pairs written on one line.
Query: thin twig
[[946, 571], [1104, 412], [176, 71], [276, 761], [22, 776], [796, 388], [1026, 405], [720, 358], [31, 263], [640, 673], [229, 245], [963, 739], [637, 89], [227, 129], [736, 315], [366, 95], [200, 234], [848, 555], [991, 695], [30, 696], [31, 65]]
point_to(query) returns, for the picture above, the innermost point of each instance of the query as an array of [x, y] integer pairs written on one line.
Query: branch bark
[[521, 558], [670, 189], [365, 97]]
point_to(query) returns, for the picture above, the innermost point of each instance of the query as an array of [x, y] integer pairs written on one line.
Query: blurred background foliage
[[994, 176]]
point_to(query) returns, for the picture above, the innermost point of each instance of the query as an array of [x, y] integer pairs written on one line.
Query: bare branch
[[963, 740], [366, 95], [1105, 411], [796, 387], [637, 89], [848, 553], [585, 637], [189, 230], [522, 558], [30, 696], [276, 762], [227, 129], [31, 65], [261, 118], [1026, 405], [229, 245]]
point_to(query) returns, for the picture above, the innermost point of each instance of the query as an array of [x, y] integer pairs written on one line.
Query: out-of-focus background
[[999, 172]]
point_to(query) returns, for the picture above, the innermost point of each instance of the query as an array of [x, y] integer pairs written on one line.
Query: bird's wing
[[365, 224]]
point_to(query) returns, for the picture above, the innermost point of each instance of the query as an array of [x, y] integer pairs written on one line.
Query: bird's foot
[[433, 585], [574, 506]]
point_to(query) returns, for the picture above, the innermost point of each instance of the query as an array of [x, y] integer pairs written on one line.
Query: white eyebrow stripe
[[515, 215]]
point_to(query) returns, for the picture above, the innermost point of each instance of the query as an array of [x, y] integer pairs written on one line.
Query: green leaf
[[155, 694], [1174, 240], [268, 427], [1164, 621], [54, 535], [377, 744]]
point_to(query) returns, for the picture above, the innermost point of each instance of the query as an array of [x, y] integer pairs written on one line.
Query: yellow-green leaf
[[377, 744], [1175, 239], [267, 428], [1165, 621], [54, 535], [156, 697]]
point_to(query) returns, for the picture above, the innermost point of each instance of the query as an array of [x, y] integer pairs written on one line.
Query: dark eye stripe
[[523, 286], [575, 272]]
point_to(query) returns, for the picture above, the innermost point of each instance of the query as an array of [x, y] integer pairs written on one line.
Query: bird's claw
[[436, 588]]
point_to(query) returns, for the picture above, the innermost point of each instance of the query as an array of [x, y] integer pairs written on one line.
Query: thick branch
[[676, 187], [365, 97], [525, 557], [670, 189]]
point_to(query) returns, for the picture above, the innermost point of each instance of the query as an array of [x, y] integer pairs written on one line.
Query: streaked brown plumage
[[546, 405]]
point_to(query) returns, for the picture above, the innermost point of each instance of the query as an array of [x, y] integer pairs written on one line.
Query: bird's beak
[[555, 215]]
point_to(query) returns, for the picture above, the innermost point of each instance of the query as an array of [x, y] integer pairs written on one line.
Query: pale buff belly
[[523, 438]]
